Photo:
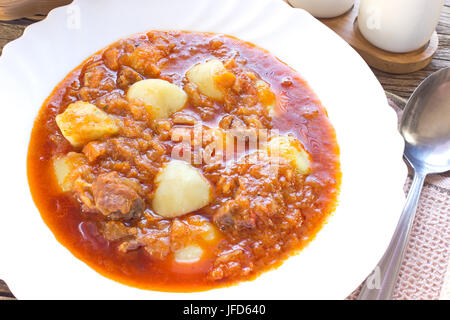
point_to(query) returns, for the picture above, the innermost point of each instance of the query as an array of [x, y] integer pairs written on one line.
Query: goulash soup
[[182, 161]]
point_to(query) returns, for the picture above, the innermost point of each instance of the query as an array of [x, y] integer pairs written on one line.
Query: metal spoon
[[425, 126]]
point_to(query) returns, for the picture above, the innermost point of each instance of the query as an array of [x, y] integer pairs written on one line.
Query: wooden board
[[33, 9], [346, 26]]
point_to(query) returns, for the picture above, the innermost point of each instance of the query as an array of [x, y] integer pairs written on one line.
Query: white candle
[[323, 8], [399, 25]]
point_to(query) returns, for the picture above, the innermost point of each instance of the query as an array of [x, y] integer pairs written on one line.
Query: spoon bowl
[[425, 124]]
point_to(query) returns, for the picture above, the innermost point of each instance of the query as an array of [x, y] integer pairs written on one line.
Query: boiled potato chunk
[[161, 98], [180, 189], [83, 122], [65, 169], [209, 232], [292, 150], [189, 254], [205, 77]]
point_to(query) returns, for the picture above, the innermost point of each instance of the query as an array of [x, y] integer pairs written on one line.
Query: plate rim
[[35, 28]]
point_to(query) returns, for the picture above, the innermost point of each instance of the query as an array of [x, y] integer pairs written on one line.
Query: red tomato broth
[[300, 113]]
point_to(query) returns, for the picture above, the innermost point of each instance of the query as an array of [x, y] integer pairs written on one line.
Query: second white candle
[[399, 25]]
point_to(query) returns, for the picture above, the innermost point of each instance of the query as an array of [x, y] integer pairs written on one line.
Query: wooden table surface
[[401, 85]]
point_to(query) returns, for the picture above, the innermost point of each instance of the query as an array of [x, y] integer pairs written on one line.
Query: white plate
[[345, 251]]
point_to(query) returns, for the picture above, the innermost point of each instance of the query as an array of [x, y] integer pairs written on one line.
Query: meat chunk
[[258, 194], [111, 58], [145, 57], [116, 197], [234, 216], [156, 243], [94, 150], [116, 230], [231, 263], [126, 77]]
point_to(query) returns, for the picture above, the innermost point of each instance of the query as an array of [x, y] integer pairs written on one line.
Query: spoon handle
[[380, 284]]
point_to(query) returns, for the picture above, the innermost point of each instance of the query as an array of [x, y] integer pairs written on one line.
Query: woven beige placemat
[[425, 272]]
